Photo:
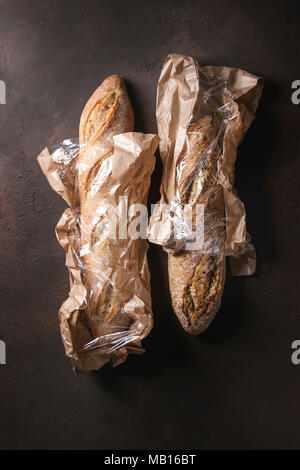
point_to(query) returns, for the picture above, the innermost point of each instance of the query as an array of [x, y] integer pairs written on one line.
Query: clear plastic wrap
[[202, 116], [108, 310]]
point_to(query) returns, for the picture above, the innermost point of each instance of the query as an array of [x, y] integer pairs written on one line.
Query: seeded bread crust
[[197, 280], [107, 113]]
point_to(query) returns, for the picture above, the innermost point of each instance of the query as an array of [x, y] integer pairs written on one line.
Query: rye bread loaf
[[197, 279]]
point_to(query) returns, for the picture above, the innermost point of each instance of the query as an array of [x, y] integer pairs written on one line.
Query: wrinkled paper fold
[[185, 92], [129, 170]]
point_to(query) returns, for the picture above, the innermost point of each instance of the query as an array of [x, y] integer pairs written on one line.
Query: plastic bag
[[202, 116], [108, 310]]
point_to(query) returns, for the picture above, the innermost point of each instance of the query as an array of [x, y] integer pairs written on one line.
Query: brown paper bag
[[92, 340], [185, 93]]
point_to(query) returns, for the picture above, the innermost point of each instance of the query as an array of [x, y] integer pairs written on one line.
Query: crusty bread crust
[[197, 279], [108, 112], [112, 96]]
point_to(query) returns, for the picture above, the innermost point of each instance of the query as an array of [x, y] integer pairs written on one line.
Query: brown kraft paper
[[185, 92], [92, 340]]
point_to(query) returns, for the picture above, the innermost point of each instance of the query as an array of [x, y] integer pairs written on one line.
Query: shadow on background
[[254, 160], [255, 157], [138, 105]]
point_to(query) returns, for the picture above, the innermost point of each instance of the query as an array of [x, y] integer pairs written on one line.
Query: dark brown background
[[232, 387]]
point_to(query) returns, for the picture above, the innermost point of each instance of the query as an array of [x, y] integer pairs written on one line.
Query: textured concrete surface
[[232, 387]]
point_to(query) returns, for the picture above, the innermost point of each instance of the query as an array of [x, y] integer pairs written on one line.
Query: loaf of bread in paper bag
[[197, 279], [115, 272]]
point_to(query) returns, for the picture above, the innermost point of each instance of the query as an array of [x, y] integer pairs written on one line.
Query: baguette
[[107, 113], [196, 280]]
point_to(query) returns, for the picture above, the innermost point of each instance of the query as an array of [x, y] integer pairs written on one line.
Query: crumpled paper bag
[[185, 92], [129, 172]]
